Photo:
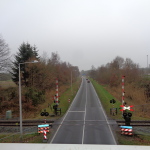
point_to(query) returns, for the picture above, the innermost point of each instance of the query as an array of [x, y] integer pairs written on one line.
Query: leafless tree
[[4, 54]]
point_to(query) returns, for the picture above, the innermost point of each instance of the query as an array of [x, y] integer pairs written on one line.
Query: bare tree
[[120, 61], [4, 54]]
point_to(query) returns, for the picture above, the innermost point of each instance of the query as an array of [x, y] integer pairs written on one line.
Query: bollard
[[45, 137]]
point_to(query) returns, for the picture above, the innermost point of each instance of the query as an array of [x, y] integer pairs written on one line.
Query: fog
[[82, 32]]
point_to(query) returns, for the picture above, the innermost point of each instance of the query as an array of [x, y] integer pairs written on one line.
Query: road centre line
[[84, 117], [76, 111]]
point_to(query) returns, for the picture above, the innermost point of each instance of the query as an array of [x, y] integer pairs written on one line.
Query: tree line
[[112, 72], [36, 78], [137, 82]]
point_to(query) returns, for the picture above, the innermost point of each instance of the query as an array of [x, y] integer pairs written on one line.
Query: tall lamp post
[[20, 101], [71, 81]]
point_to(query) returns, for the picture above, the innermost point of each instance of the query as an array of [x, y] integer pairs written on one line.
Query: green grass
[[105, 98], [136, 139], [64, 104], [27, 138]]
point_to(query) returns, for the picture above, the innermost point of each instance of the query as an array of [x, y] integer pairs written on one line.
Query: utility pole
[[123, 89], [147, 66], [71, 82]]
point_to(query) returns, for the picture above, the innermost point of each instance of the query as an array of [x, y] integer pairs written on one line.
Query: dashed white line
[[76, 111]]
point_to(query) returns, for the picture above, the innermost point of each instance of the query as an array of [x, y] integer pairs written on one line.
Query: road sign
[[126, 108], [112, 101]]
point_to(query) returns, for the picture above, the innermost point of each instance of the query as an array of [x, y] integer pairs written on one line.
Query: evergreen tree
[[26, 53]]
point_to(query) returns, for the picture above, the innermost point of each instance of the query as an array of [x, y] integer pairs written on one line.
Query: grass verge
[[27, 138], [105, 97], [64, 104]]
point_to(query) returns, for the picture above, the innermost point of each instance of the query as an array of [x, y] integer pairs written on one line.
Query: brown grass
[[133, 96], [7, 84]]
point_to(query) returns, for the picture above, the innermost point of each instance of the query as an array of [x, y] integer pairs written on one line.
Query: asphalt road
[[85, 122]]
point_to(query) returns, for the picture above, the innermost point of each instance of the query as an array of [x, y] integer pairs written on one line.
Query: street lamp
[[20, 101], [71, 81]]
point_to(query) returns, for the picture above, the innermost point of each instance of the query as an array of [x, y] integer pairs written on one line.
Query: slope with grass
[[142, 138]]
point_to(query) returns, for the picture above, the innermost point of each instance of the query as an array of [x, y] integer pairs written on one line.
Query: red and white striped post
[[69, 100], [44, 132], [57, 91], [123, 89]]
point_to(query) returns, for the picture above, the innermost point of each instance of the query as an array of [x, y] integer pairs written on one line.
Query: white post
[[20, 101], [147, 61], [71, 83], [147, 66], [123, 89]]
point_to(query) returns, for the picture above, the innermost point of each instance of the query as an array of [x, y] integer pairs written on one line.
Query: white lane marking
[[66, 114], [84, 117], [87, 120], [105, 116], [76, 111]]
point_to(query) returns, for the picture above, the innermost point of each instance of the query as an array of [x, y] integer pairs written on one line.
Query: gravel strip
[[4, 129], [142, 130]]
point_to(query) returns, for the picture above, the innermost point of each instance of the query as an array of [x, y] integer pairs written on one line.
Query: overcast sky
[[82, 32]]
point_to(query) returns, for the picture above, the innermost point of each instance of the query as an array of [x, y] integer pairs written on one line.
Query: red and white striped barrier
[[130, 133], [126, 133], [126, 130], [43, 127]]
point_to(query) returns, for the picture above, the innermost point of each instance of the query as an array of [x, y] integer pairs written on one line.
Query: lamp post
[[71, 82], [20, 101]]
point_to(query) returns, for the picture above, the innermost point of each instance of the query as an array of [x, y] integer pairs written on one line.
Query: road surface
[[85, 122]]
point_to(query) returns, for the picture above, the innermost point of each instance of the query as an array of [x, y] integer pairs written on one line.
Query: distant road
[[85, 122]]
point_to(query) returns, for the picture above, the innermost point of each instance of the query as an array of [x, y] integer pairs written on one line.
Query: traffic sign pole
[[57, 91], [123, 89]]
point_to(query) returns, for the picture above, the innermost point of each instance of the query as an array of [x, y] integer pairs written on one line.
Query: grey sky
[[82, 32]]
